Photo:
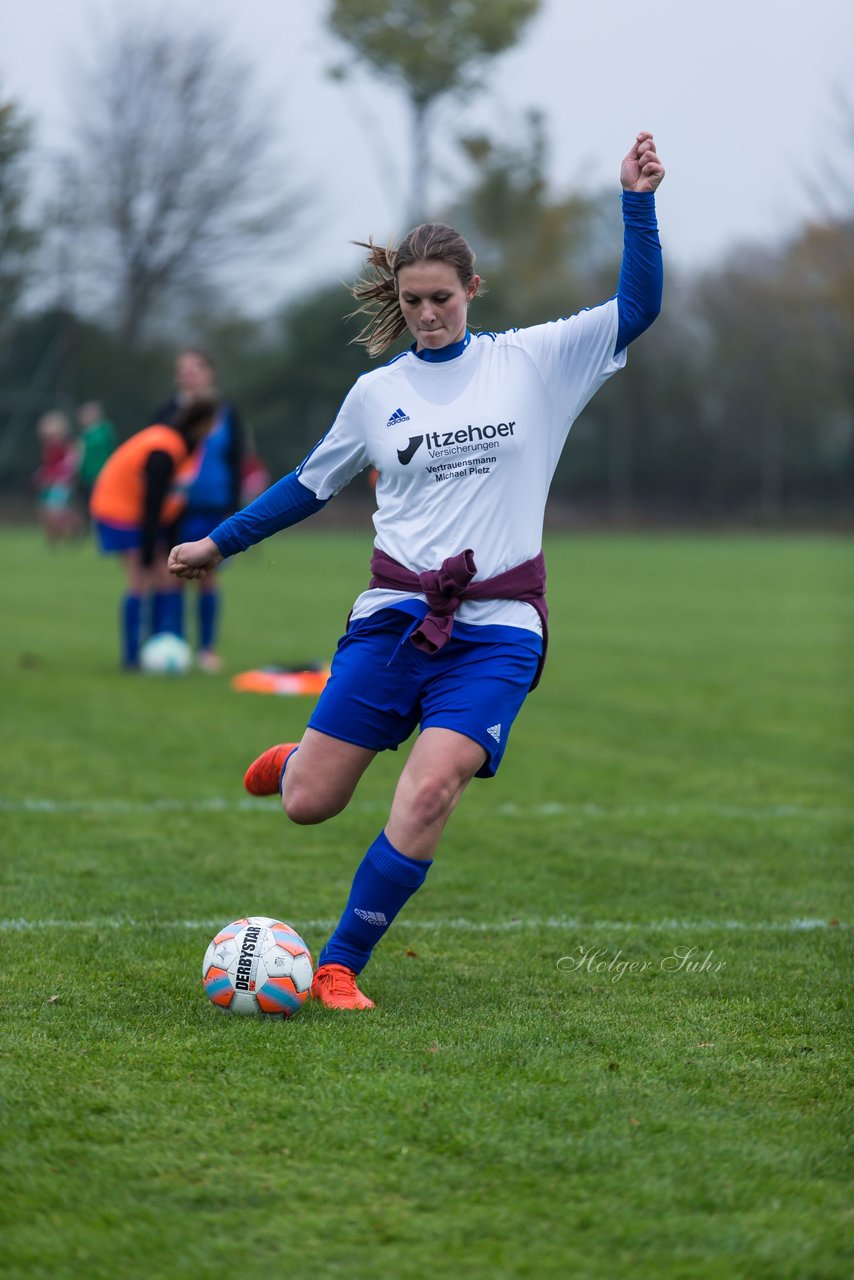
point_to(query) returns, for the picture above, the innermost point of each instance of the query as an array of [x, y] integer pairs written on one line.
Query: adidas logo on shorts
[[494, 731], [371, 917]]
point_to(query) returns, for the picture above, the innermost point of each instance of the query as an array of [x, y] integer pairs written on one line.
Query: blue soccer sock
[[167, 613], [130, 623], [208, 618], [384, 882]]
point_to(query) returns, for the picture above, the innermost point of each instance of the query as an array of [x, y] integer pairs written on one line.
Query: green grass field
[[512, 1108]]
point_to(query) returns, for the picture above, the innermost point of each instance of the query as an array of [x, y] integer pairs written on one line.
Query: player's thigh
[[163, 579], [477, 691], [135, 575], [440, 767], [369, 704], [324, 772], [441, 764], [372, 697]]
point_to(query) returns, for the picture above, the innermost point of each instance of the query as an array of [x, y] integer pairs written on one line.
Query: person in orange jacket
[[137, 499]]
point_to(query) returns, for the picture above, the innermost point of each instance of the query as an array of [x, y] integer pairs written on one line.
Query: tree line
[[740, 400]]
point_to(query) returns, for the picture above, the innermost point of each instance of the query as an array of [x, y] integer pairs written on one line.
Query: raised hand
[[641, 169], [194, 559]]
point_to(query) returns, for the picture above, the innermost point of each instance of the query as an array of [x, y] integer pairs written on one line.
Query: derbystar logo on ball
[[258, 966]]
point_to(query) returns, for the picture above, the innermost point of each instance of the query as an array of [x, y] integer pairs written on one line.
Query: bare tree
[[17, 238], [175, 158], [829, 183]]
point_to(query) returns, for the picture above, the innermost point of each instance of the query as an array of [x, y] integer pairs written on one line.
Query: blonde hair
[[376, 291], [54, 425]]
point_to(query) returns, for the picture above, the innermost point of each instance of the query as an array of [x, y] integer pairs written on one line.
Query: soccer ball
[[165, 655], [258, 965]]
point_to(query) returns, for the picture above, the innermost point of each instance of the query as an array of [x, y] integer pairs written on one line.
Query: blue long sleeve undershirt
[[638, 303], [641, 275], [285, 503]]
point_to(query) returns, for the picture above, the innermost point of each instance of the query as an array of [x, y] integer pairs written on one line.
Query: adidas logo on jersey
[[397, 417], [371, 917], [494, 731]]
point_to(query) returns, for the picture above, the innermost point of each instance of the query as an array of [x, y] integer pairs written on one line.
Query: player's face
[[434, 303], [193, 375]]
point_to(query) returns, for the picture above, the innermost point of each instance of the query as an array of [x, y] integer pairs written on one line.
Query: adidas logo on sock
[[397, 417], [494, 731], [371, 917]]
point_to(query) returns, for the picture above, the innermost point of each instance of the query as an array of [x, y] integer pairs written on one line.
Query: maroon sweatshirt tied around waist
[[446, 586]]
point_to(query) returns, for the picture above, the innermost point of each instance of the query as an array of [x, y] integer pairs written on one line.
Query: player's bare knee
[[302, 808], [432, 799], [306, 807], [304, 812]]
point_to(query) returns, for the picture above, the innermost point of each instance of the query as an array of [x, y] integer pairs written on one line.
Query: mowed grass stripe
[[531, 925], [507, 809]]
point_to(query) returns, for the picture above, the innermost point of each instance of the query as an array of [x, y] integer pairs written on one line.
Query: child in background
[[56, 476], [97, 442]]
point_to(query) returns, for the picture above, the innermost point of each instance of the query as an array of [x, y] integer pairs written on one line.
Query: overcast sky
[[739, 94]]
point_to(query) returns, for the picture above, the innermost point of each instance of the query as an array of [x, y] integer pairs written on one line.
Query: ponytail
[[376, 291]]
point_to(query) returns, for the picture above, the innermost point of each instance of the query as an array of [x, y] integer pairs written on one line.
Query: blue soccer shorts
[[382, 687], [115, 537], [195, 525]]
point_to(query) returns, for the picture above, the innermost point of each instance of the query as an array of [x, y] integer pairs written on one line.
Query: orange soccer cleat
[[335, 986], [262, 776]]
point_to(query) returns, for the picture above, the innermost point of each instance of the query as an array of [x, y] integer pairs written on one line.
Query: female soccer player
[[215, 490], [465, 431], [138, 496]]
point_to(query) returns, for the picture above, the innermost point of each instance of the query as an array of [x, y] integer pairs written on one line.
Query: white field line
[[532, 924], [219, 804]]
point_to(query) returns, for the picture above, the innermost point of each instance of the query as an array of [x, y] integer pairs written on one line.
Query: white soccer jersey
[[466, 448]]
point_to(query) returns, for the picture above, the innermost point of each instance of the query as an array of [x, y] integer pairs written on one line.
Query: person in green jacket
[[97, 442]]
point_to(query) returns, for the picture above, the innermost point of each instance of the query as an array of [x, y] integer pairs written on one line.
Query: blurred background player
[[216, 490], [255, 478], [137, 500], [465, 431], [97, 442], [56, 476]]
